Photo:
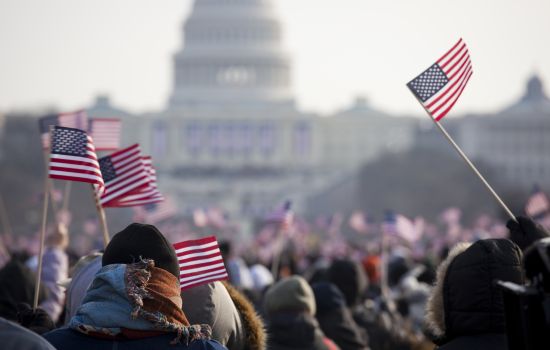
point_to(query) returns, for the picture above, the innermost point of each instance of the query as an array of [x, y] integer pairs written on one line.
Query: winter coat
[[290, 308], [335, 318], [15, 337], [67, 338], [288, 331], [233, 319], [55, 268], [16, 286], [133, 306], [465, 309]]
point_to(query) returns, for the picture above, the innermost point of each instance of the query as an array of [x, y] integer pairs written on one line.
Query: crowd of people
[[297, 287]]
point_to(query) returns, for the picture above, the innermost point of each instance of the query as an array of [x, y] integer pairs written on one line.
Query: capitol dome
[[232, 55]]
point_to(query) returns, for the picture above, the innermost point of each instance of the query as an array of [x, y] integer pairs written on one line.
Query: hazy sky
[[63, 52]]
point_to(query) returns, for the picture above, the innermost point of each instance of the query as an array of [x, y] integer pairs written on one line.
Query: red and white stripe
[[457, 66], [106, 133], [131, 175], [200, 262], [147, 195], [75, 120], [77, 168]]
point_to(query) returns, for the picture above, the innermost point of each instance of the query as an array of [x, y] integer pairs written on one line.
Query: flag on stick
[[282, 216], [74, 120], [106, 133], [359, 222], [439, 87], [156, 212], [123, 173], [200, 262], [146, 195], [537, 205], [73, 157]]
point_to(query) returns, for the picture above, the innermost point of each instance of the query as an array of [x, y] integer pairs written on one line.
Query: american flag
[[146, 195], [75, 120], [439, 87], [123, 173], [106, 133], [401, 226], [200, 262], [359, 222], [282, 216], [155, 212], [73, 158], [537, 205]]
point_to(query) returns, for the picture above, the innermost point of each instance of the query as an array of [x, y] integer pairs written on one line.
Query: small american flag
[[200, 262], [106, 133], [399, 225], [163, 210], [439, 87], [123, 173], [282, 216], [359, 222], [73, 157], [146, 195], [74, 120], [537, 205]]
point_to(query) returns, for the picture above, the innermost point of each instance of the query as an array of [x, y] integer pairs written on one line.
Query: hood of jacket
[[335, 318], [211, 304], [294, 330], [350, 278], [464, 300]]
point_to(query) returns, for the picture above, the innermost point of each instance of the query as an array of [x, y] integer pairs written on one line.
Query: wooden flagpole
[[66, 195], [102, 217], [275, 262], [384, 289], [50, 187], [47, 186], [469, 163]]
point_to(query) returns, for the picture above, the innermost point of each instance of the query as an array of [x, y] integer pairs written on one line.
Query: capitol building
[[232, 136]]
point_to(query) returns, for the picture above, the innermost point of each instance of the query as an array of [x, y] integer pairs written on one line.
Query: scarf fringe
[[137, 278]]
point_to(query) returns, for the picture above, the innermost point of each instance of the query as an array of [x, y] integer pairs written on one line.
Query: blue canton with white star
[[428, 83], [71, 142], [107, 169]]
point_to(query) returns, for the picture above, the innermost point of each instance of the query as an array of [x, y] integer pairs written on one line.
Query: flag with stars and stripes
[[282, 216], [537, 205], [106, 133], [74, 120], [123, 173], [200, 262], [439, 87], [73, 157], [146, 195]]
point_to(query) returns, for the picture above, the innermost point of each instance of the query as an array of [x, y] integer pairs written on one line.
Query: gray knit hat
[[291, 294]]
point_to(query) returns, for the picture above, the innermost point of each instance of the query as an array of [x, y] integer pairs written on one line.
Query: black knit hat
[[141, 241]]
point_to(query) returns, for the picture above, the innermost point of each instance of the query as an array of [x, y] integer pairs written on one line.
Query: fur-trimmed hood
[[255, 334], [464, 300]]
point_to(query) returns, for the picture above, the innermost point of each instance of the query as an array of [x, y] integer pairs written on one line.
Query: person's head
[[350, 278], [290, 295], [465, 300], [140, 241]]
